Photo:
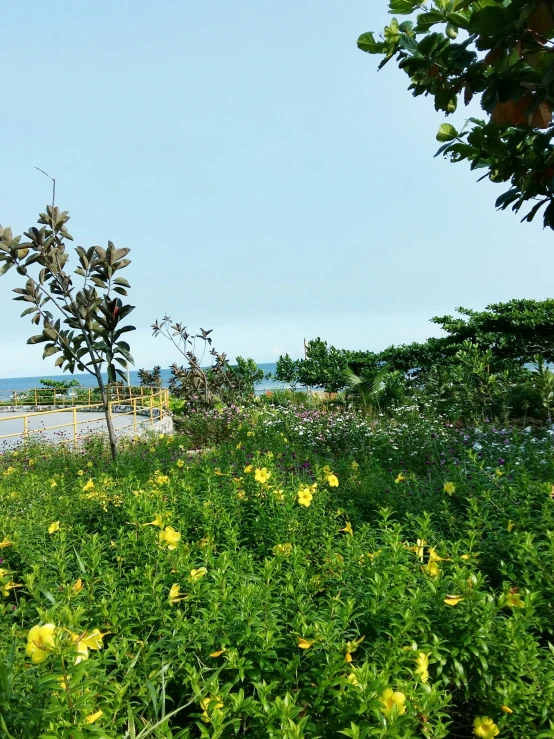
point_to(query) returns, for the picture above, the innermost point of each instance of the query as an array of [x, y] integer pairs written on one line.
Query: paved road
[[87, 423]]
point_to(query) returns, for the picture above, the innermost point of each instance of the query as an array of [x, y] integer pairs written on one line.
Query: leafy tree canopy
[[502, 52]]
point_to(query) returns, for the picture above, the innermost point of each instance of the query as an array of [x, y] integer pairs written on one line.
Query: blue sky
[[270, 183]]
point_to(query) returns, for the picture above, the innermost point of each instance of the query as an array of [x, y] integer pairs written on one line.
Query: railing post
[[74, 424], [36, 401], [134, 414], [25, 429], [151, 412], [54, 398]]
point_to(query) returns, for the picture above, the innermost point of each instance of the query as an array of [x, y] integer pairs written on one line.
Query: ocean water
[[86, 380]]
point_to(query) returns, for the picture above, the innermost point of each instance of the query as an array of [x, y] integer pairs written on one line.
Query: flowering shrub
[[279, 586]]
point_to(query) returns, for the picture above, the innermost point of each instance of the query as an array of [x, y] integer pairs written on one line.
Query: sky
[[271, 184]]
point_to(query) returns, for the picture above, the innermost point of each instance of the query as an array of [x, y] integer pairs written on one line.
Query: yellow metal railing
[[71, 396], [146, 405]]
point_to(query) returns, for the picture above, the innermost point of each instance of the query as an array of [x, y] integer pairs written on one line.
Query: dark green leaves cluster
[[87, 332], [502, 52]]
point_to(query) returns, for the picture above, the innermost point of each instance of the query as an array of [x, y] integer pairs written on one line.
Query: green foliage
[[287, 370], [303, 617], [501, 52], [151, 378]]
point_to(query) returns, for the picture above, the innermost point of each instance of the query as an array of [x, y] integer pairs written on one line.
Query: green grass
[[225, 658]]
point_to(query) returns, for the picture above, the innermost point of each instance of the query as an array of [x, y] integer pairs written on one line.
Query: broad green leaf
[[447, 132], [367, 43], [403, 7]]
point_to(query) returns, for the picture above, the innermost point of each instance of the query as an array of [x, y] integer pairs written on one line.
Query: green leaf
[[367, 43], [490, 20], [37, 339], [447, 132], [426, 20], [403, 7]]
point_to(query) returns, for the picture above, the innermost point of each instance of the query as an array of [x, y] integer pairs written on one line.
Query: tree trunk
[[108, 414]]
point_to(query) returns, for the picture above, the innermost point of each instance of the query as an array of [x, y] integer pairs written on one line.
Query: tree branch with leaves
[[87, 328]]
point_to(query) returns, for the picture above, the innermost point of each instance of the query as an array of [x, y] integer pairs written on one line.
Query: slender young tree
[[86, 331]]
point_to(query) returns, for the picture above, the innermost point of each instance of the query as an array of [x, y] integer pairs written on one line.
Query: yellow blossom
[[279, 494], [55, 526], [5, 543], [241, 494], [453, 600], [506, 709], [88, 486], [262, 475], [513, 600], [91, 718], [40, 641], [198, 573], [432, 569], [78, 586], [333, 481], [205, 703], [485, 728], [392, 700], [9, 586], [304, 643], [419, 549], [249, 433], [180, 463], [249, 469], [422, 666], [282, 549], [93, 639], [327, 470], [218, 653], [9, 471], [449, 488], [305, 497], [158, 521], [352, 679], [80, 646], [169, 537], [347, 528], [510, 526], [80, 473], [162, 480], [400, 478], [351, 648], [239, 445], [354, 466], [89, 464], [175, 594], [53, 484]]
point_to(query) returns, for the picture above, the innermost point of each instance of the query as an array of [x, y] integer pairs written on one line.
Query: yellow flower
[[354, 466], [352, 679], [262, 475], [419, 549], [249, 433], [93, 639], [80, 473], [158, 521], [485, 728], [162, 436], [347, 528], [162, 480], [9, 586], [239, 445], [89, 464], [327, 470], [241, 494], [205, 703], [433, 569], [78, 586], [400, 478], [351, 648], [249, 469], [5, 543], [279, 494], [169, 537], [40, 640], [422, 666], [53, 484], [90, 719], [175, 594], [305, 497], [449, 488], [88, 486], [304, 643], [453, 600], [434, 557], [392, 700], [513, 600], [196, 574], [333, 481], [9, 471], [506, 709], [510, 526], [180, 463], [55, 526], [80, 646]]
